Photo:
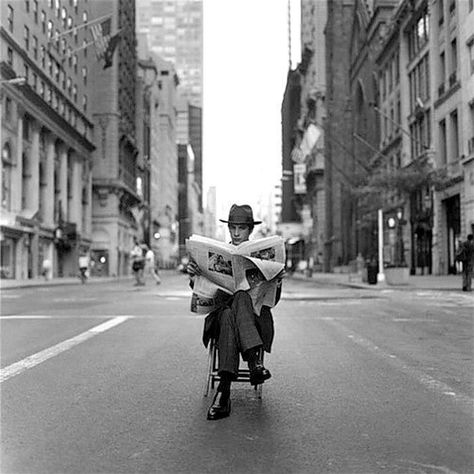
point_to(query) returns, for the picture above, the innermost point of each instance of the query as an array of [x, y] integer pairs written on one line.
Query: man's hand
[[281, 275], [192, 268]]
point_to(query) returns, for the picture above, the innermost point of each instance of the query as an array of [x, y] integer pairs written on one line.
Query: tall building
[[118, 190], [174, 31], [46, 137], [310, 151], [161, 88], [337, 242]]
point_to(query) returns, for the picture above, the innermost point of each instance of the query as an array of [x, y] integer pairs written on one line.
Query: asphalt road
[[364, 381]]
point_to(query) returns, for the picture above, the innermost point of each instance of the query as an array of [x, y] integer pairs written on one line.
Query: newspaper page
[[251, 266], [207, 296]]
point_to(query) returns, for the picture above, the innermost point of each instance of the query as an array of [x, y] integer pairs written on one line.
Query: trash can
[[372, 271]]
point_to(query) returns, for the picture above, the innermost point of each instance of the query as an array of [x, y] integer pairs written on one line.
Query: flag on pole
[[109, 52], [101, 35]]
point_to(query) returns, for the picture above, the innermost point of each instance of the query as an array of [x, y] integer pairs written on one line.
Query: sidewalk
[[41, 282], [415, 282]]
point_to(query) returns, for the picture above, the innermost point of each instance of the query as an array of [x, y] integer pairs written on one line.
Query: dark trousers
[[237, 333], [466, 277]]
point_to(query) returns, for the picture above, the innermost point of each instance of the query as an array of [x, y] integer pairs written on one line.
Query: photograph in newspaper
[[264, 254], [217, 263]]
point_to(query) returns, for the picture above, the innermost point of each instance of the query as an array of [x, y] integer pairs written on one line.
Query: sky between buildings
[[246, 62]]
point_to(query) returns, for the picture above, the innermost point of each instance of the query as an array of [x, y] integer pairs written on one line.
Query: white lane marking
[[35, 359], [422, 378], [28, 316]]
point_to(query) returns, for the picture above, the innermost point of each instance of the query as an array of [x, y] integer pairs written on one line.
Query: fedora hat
[[241, 215]]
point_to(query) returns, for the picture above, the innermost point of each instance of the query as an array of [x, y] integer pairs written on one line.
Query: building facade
[[338, 140], [47, 138], [174, 31], [117, 210]]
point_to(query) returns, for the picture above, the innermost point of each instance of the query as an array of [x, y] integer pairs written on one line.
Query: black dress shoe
[[259, 374], [220, 407]]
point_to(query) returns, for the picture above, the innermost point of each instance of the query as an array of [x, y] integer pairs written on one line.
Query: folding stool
[[213, 377]]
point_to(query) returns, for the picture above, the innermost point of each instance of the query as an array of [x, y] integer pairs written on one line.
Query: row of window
[[390, 76], [55, 73]]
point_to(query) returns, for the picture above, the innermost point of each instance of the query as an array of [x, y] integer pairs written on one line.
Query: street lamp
[[19, 81]]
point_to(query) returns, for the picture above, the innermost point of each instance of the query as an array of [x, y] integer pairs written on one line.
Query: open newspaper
[[251, 266]]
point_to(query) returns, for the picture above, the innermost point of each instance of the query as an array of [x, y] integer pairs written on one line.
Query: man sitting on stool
[[235, 326]]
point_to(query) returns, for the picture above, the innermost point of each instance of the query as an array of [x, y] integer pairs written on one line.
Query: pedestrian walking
[[465, 255], [235, 327], [83, 266], [46, 269], [151, 267], [138, 263]]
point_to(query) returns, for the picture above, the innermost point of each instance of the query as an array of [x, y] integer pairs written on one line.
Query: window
[[74, 62], [35, 10], [454, 54], [35, 47], [27, 6], [84, 75], [50, 29], [471, 5], [452, 7], [26, 37], [43, 56], [10, 56], [35, 81], [440, 12], [471, 56], [419, 82], [84, 43], [74, 93], [454, 136], [26, 72], [418, 34], [41, 91], [56, 39], [7, 112], [69, 85], [454, 63], [10, 18], [69, 22], [43, 21], [443, 146], [64, 16], [84, 17], [421, 136], [84, 103]]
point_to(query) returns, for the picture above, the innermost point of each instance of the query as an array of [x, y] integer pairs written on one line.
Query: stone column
[[49, 178], [63, 182], [17, 171], [32, 196], [75, 211]]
